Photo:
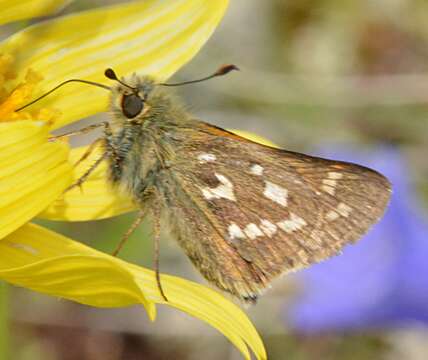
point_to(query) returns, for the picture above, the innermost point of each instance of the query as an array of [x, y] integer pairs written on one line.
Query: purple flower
[[383, 279]]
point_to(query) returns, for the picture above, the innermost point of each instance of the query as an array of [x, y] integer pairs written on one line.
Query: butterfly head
[[137, 99], [131, 96]]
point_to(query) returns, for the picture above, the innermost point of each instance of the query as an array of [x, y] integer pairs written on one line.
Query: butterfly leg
[[88, 151], [156, 226], [130, 231], [80, 131], [126, 236], [88, 172], [110, 151]]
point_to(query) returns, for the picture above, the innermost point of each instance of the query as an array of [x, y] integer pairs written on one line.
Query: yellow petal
[[153, 37], [95, 200], [254, 137], [207, 305], [12, 10], [47, 262], [33, 172]]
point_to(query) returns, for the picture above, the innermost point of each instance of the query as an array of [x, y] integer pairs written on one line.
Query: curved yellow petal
[[12, 10], [153, 37], [39, 259], [95, 200], [33, 172], [207, 305], [47, 262]]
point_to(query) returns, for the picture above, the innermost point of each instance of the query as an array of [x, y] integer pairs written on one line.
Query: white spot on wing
[[329, 182], [328, 189], [335, 175], [235, 232], [253, 231], [268, 228], [344, 210], [332, 215], [293, 224], [341, 210], [205, 158], [257, 170], [276, 193], [223, 191]]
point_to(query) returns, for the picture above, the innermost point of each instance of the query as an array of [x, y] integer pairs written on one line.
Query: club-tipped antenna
[[60, 85], [110, 74], [222, 70]]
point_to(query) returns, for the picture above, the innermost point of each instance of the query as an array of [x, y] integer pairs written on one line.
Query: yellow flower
[[152, 37]]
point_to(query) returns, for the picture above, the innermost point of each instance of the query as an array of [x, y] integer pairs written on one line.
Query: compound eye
[[132, 105]]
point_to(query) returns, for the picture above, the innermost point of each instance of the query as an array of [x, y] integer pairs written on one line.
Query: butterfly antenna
[[223, 70], [110, 74], [60, 85]]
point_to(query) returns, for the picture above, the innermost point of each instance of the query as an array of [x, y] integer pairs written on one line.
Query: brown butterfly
[[244, 213]]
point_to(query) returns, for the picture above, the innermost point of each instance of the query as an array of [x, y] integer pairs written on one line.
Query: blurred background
[[342, 79]]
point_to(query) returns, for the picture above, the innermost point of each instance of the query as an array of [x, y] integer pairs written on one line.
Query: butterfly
[[244, 213]]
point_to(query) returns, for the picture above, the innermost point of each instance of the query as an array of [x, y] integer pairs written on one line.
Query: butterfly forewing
[[254, 212]]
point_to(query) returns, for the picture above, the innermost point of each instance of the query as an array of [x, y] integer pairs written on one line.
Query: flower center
[[12, 98]]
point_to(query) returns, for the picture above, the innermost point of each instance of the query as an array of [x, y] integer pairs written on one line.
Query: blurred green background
[[312, 72]]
